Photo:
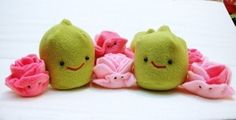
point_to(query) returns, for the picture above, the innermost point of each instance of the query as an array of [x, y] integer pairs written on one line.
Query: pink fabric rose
[[210, 80], [111, 42], [28, 76], [194, 56], [114, 71]]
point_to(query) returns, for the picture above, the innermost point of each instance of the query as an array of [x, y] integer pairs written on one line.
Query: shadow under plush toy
[[69, 55], [161, 59]]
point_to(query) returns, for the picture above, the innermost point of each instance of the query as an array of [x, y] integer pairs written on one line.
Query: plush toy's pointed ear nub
[[150, 30], [164, 28], [66, 22]]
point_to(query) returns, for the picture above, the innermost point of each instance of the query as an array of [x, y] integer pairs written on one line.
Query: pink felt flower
[[195, 56], [114, 71], [28, 76], [111, 42], [210, 80]]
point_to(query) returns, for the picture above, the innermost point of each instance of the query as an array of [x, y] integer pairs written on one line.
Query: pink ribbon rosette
[[114, 71], [28, 76]]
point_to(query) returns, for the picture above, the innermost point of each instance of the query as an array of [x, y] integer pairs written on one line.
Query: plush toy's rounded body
[[69, 55], [161, 59]]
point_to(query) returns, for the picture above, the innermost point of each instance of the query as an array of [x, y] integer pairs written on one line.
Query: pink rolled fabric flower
[[194, 55], [111, 42], [28, 76], [209, 80], [114, 71]]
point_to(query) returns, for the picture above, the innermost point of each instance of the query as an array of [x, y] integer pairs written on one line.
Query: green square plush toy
[[161, 60], [69, 55]]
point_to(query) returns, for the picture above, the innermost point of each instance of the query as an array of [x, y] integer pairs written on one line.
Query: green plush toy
[[161, 59], [69, 55]]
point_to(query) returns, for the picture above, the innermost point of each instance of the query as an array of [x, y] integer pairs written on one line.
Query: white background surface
[[204, 25]]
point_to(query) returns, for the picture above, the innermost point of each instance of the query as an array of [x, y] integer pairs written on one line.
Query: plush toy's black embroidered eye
[[145, 59], [170, 61], [62, 63], [87, 58]]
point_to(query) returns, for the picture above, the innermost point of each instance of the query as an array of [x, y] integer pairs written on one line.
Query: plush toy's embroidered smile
[[158, 65], [75, 68]]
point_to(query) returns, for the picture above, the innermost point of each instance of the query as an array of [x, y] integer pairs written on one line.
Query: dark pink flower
[[28, 76], [111, 42]]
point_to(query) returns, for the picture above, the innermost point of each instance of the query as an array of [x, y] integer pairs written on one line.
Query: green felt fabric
[[161, 59], [69, 55]]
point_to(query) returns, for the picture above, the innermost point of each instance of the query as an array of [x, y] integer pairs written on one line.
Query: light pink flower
[[28, 76], [210, 80], [114, 71], [111, 42]]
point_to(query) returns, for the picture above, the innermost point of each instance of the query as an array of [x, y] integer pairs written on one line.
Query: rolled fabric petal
[[129, 53], [101, 70], [106, 62], [218, 74], [125, 65], [199, 71], [194, 56], [192, 76], [100, 39], [99, 51]]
